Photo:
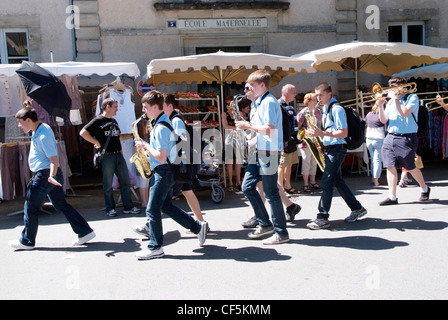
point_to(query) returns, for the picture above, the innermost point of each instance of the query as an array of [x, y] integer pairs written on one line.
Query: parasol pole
[[356, 84], [220, 127]]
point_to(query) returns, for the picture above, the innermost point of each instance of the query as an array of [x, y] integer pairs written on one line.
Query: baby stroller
[[209, 175]]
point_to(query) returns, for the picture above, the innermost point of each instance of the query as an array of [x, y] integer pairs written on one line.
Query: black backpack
[[184, 170], [355, 127], [423, 119], [289, 143]]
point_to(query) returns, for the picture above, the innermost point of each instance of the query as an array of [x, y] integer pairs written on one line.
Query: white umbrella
[[384, 58], [222, 67]]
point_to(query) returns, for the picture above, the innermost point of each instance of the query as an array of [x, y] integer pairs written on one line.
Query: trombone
[[434, 100], [378, 92]]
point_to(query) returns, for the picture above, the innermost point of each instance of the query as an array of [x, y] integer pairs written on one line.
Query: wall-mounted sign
[[219, 23]]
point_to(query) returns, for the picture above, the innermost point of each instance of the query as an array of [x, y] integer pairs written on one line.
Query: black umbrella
[[46, 89]]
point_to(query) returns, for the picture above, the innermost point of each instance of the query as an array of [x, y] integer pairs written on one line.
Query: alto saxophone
[[314, 143], [141, 157]]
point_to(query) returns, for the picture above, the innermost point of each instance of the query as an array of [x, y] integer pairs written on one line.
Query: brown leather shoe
[[388, 202]]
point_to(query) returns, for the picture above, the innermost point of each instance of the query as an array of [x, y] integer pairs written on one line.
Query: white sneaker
[[17, 245], [132, 211], [82, 240], [260, 232], [202, 235], [141, 229], [147, 254], [112, 213], [276, 239]]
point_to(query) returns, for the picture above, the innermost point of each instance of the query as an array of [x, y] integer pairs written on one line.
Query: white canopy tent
[[432, 72], [80, 68]]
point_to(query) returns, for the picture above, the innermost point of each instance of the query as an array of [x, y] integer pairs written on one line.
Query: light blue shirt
[[339, 122], [399, 124], [161, 139], [42, 148], [267, 112], [179, 127]]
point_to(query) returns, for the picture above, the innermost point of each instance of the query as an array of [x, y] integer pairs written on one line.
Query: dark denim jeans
[[161, 191], [265, 169], [38, 189], [332, 177], [114, 163]]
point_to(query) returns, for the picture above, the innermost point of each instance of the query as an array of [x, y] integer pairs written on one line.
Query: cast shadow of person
[[243, 254]]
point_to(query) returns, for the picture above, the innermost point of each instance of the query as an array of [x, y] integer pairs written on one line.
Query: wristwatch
[[53, 176]]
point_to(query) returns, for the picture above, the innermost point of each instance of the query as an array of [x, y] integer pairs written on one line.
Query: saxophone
[[141, 157], [314, 143]]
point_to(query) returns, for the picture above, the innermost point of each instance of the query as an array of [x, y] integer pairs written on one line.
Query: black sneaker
[[388, 202], [251, 223], [425, 195], [291, 211]]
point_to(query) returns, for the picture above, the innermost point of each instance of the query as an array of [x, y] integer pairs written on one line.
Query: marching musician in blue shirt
[[333, 136], [161, 186], [401, 142], [266, 121]]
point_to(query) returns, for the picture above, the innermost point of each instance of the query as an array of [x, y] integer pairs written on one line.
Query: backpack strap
[[405, 99], [330, 111]]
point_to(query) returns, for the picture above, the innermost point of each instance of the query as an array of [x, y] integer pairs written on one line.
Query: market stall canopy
[[384, 58], [222, 67], [80, 68], [432, 72]]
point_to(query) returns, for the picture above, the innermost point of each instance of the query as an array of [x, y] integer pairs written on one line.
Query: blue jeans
[[265, 169], [37, 191], [376, 157], [332, 177], [114, 163], [160, 201]]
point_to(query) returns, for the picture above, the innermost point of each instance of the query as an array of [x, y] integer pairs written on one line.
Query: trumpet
[[378, 92]]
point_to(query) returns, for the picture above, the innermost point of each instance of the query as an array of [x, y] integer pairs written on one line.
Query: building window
[[412, 32], [14, 46]]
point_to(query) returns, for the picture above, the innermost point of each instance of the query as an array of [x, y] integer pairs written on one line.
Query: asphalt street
[[394, 252]]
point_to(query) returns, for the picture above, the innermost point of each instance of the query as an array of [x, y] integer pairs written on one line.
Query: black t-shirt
[[99, 127]]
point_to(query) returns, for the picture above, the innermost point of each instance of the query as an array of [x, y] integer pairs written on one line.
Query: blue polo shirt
[[161, 140], [399, 124], [339, 122], [42, 148], [267, 112]]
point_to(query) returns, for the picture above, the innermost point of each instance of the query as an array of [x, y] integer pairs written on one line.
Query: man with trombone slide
[[401, 142]]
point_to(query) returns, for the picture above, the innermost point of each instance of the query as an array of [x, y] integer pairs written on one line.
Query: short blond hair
[[260, 76]]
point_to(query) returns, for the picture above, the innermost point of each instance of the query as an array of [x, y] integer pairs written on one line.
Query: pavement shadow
[[352, 242], [245, 254], [401, 224], [111, 248]]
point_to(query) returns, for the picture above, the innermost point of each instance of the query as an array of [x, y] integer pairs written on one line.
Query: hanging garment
[[126, 109], [10, 99]]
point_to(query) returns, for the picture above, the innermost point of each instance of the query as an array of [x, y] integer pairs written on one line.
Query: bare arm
[[88, 137]]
